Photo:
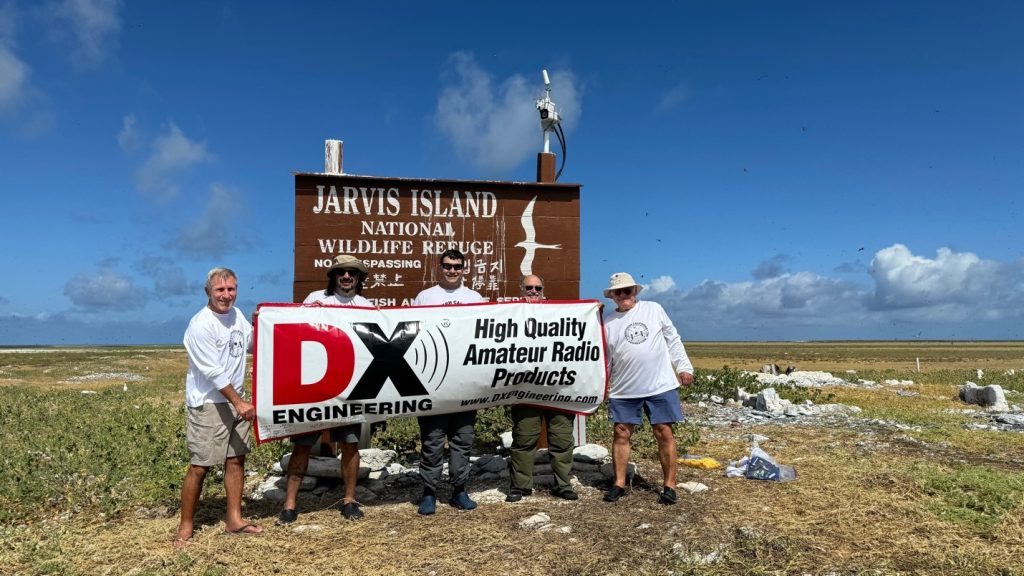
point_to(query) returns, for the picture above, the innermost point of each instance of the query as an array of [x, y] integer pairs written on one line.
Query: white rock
[[376, 459], [692, 487], [307, 528], [535, 522], [590, 453]]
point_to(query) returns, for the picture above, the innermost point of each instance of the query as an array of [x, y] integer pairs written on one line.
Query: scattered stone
[[802, 379], [768, 401], [129, 376], [991, 396], [376, 459], [643, 526], [898, 382], [535, 522], [746, 533], [590, 453], [490, 463], [682, 551], [907, 394], [692, 487], [307, 528]]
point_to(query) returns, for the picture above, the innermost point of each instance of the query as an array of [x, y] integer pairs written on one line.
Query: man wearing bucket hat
[[344, 284], [647, 364]]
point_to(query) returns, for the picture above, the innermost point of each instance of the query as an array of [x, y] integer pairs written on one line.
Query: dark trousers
[[458, 427]]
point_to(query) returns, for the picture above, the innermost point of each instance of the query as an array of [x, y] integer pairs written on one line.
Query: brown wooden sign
[[400, 227]]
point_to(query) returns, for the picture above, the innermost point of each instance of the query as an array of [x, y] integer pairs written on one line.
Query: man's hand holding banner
[[316, 367]]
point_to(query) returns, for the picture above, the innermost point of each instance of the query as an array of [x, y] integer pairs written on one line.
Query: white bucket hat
[[621, 280]]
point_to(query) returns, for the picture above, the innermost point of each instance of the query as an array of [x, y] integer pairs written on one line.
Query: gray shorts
[[215, 433], [345, 434]]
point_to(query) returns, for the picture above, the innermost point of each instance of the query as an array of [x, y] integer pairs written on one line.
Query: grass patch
[[90, 482], [975, 497], [105, 452]]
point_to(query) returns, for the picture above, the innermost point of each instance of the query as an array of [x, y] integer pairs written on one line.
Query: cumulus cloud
[[172, 153], [771, 268], [215, 232], [903, 280], [128, 136], [104, 289], [495, 124], [70, 329], [672, 98], [169, 279], [661, 284], [904, 295], [14, 78], [93, 26]]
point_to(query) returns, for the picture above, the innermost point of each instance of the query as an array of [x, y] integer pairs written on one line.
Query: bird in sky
[[530, 243]]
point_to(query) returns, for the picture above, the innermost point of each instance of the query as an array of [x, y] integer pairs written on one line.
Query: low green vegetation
[[108, 451], [976, 497]]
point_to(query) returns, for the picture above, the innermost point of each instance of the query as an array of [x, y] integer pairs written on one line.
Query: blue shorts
[[661, 408], [345, 434]]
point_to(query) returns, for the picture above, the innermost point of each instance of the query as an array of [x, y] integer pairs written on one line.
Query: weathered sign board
[[400, 226]]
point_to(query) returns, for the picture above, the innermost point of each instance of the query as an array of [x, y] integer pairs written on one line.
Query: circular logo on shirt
[[636, 333], [236, 347]]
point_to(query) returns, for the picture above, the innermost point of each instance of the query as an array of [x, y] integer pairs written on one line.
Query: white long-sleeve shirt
[[216, 345], [644, 352]]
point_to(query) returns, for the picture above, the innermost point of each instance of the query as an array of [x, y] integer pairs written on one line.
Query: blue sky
[[770, 170]]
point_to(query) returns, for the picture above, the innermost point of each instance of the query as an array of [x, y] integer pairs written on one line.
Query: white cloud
[[770, 268], [173, 152], [497, 126], [661, 284], [14, 75], [903, 280], [128, 136], [104, 289], [93, 24], [214, 233], [904, 296], [672, 98], [169, 279]]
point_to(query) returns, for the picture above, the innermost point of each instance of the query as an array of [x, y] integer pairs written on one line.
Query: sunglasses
[[621, 291], [448, 266], [533, 288], [352, 272]]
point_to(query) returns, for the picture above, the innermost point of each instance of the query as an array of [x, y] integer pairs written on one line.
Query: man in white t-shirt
[[457, 427], [345, 280], [647, 364], [219, 417]]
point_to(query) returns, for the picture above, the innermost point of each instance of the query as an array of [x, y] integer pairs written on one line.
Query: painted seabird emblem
[[530, 244]]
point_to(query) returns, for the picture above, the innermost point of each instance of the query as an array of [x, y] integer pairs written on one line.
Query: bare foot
[[180, 543]]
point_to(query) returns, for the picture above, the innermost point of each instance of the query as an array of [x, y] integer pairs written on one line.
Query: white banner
[[316, 367]]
